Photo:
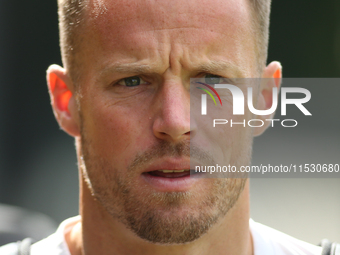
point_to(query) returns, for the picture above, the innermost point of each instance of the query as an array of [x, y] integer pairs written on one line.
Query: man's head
[[129, 107]]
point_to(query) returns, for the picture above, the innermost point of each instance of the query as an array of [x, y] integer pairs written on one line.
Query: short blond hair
[[261, 14], [71, 14]]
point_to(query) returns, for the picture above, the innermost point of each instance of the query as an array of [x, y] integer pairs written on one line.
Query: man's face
[[133, 127]]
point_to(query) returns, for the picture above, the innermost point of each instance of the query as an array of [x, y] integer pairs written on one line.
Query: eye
[[131, 81], [212, 79]]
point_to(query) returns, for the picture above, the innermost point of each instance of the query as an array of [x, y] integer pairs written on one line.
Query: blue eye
[[131, 81], [212, 79]]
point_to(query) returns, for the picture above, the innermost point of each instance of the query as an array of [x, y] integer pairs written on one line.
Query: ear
[[271, 77], [62, 100]]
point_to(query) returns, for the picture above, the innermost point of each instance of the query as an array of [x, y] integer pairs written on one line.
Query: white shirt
[[267, 241], [56, 244], [270, 241]]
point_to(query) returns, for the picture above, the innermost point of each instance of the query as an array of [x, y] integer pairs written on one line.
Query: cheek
[[113, 132]]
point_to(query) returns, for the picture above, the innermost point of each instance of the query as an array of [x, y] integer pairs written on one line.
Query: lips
[[170, 173], [168, 165]]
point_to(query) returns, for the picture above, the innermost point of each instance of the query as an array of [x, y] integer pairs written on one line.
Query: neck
[[100, 233]]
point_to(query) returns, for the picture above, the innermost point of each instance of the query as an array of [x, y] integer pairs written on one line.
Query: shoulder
[[55, 244], [18, 248], [270, 241], [9, 249]]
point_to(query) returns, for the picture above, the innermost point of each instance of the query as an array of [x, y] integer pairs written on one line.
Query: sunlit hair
[[71, 13]]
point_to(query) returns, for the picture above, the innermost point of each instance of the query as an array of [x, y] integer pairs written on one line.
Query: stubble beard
[[158, 217]]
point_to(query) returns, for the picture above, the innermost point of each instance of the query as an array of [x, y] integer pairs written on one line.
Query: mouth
[[169, 180], [170, 173]]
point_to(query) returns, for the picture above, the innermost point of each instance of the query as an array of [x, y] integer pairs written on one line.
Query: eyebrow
[[218, 66], [213, 66], [134, 67]]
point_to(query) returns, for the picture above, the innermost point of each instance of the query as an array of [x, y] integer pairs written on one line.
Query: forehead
[[158, 13], [151, 27]]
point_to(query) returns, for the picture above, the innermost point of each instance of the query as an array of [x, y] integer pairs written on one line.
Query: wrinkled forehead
[[118, 17], [158, 32]]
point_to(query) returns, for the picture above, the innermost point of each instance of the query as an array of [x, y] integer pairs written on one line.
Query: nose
[[172, 122]]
